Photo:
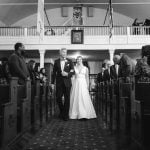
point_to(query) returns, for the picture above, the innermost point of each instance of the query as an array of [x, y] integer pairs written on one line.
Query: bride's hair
[[79, 57]]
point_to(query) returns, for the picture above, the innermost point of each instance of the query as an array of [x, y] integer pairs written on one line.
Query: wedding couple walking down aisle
[[77, 102]]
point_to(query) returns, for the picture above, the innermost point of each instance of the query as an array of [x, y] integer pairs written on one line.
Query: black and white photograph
[[74, 74]]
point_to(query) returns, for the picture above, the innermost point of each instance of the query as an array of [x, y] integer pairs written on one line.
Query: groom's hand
[[65, 74]]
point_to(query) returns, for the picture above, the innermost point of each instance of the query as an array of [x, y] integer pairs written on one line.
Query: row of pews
[[23, 107], [125, 107]]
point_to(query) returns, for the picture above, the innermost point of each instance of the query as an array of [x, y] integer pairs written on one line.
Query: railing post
[[111, 55], [25, 32], [42, 54], [128, 33]]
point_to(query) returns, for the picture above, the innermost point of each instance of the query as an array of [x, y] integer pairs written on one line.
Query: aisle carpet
[[71, 135], [76, 135]]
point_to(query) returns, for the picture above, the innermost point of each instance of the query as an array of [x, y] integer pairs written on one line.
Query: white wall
[[2, 24], [95, 66], [55, 18], [99, 17]]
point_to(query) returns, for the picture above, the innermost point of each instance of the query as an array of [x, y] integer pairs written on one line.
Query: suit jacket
[[57, 73], [18, 67], [106, 75], [113, 74], [100, 77]]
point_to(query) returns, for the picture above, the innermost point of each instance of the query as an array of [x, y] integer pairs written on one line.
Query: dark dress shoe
[[83, 119]]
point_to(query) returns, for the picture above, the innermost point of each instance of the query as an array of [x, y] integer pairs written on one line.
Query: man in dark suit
[[17, 64], [114, 69], [107, 71], [100, 75], [62, 72]]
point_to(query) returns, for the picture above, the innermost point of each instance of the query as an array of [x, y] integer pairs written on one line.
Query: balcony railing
[[66, 31]]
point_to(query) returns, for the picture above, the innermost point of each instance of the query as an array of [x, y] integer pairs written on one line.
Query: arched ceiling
[[12, 11]]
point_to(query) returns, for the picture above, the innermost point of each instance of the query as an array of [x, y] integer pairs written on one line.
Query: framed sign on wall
[[77, 37]]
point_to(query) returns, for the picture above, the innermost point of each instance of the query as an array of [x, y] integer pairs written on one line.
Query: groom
[[62, 72]]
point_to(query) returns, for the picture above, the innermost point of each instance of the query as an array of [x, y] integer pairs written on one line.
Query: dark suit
[[100, 77], [106, 75], [113, 72], [18, 67], [63, 85]]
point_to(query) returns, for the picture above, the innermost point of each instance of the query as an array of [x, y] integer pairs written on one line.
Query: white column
[[25, 32], [111, 55], [42, 54], [128, 33]]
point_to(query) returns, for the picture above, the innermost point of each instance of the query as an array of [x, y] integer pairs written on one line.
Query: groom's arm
[[68, 72], [71, 72]]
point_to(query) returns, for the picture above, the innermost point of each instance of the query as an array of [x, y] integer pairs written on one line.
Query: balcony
[[95, 37]]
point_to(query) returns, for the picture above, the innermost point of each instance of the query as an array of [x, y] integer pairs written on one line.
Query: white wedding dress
[[80, 102]]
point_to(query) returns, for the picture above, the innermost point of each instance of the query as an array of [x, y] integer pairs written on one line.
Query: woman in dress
[[81, 106]]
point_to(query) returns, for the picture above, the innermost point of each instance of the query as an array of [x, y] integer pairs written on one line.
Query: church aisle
[[75, 135], [70, 135]]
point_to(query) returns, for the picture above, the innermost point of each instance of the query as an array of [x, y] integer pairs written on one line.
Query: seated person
[[31, 65], [4, 71], [126, 66], [43, 77], [142, 69]]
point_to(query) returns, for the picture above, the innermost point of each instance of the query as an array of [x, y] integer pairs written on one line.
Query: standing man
[[107, 71], [62, 72], [100, 75], [17, 64], [126, 66], [114, 69]]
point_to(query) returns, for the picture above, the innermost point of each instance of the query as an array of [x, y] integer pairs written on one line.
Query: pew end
[[8, 112]]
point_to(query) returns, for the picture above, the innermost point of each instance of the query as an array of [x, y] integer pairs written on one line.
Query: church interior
[[105, 33]]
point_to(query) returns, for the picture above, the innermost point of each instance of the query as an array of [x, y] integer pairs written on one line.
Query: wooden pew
[[109, 105], [114, 106], [43, 104], [98, 98], [103, 104], [35, 105], [125, 106], [50, 102], [141, 114], [53, 104], [8, 111], [100, 92], [47, 102], [24, 107]]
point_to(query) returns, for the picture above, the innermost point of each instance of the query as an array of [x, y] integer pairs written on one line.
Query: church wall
[[56, 19]]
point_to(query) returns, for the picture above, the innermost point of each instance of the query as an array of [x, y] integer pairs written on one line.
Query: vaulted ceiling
[[12, 11]]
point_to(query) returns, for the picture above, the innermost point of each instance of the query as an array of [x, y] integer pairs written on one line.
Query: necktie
[[62, 62], [116, 66], [109, 71]]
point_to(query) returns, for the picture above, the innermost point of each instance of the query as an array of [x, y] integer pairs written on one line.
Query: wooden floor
[[73, 135]]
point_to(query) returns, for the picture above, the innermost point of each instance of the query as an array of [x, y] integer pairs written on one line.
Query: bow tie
[[63, 59]]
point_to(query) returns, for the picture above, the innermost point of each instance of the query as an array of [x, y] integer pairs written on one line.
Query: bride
[[81, 106]]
